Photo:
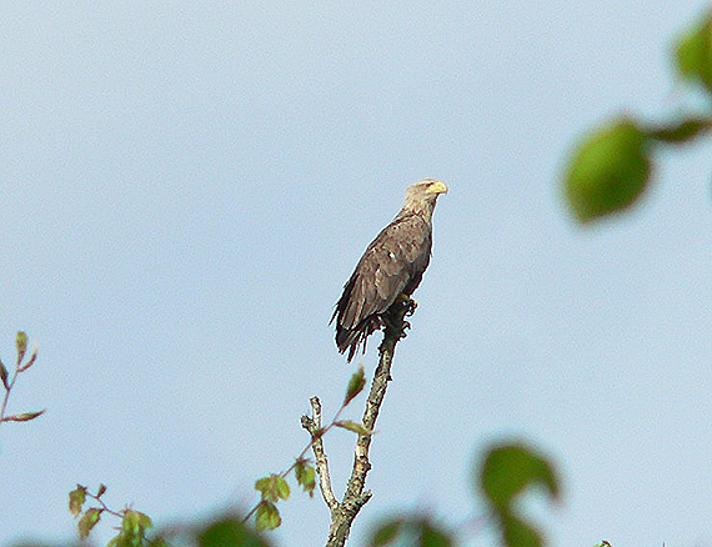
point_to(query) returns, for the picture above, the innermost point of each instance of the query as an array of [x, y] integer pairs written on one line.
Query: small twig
[[313, 426], [105, 507], [8, 385]]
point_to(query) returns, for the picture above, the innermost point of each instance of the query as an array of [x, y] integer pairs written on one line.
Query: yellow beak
[[438, 187]]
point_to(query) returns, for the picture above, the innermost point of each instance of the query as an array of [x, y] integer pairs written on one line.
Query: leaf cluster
[[274, 487], [612, 167], [134, 524]]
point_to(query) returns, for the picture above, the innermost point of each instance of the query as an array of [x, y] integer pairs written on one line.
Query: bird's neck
[[424, 211]]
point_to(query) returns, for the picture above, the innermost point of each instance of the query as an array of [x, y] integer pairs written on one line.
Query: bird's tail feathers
[[351, 339]]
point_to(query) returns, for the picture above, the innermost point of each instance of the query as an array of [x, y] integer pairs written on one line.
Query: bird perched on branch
[[390, 269]]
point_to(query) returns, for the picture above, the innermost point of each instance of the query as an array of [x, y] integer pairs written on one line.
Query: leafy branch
[[8, 382], [612, 166], [134, 524], [274, 487]]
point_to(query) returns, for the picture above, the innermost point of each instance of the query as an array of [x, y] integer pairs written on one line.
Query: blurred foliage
[[415, 530], [610, 170], [505, 473], [693, 53], [611, 167], [229, 531], [508, 471]]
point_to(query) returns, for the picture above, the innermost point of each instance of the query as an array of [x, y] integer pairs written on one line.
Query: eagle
[[390, 269]]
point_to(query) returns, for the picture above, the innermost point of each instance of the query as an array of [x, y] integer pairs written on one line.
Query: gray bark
[[344, 512]]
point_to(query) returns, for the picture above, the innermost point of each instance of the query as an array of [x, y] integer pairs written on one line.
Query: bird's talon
[[406, 327]]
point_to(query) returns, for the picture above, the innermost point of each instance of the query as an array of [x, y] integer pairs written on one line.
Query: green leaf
[[264, 487], [4, 376], [21, 345], [680, 132], [431, 536], [387, 533], [356, 385], [133, 529], [267, 516], [77, 497], [282, 488], [273, 488], [88, 521], [229, 531], [507, 471], [25, 417], [517, 533], [355, 427], [693, 53], [136, 522], [510, 469], [609, 171], [306, 476]]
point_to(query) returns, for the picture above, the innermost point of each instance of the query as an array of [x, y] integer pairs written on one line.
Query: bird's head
[[427, 189], [421, 196]]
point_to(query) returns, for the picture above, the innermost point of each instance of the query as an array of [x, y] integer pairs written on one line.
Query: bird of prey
[[391, 268]]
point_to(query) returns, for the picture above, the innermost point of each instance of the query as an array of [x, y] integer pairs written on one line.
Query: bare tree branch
[[343, 513], [313, 426]]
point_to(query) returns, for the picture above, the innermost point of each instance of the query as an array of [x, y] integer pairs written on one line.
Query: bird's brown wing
[[392, 262]]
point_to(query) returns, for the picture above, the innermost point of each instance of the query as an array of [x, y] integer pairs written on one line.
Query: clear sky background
[[184, 189]]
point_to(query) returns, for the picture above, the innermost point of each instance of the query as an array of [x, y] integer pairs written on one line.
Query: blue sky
[[186, 187]]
